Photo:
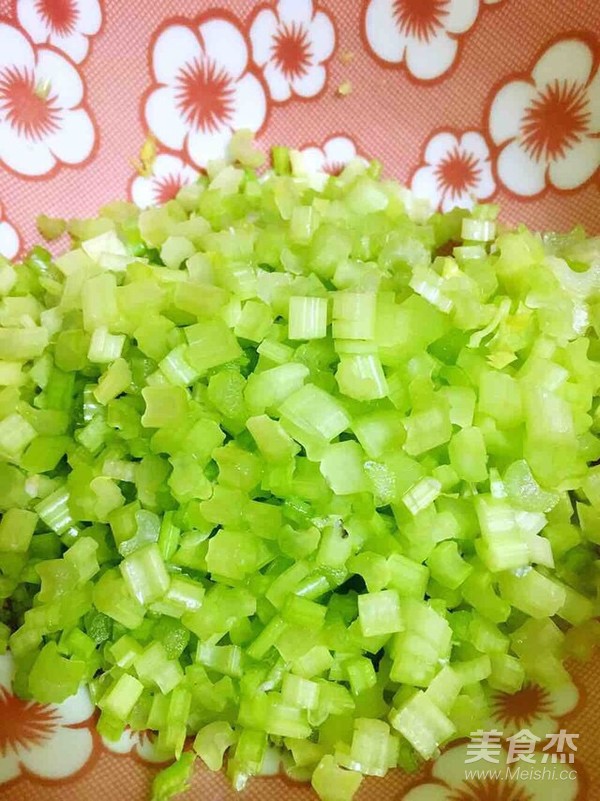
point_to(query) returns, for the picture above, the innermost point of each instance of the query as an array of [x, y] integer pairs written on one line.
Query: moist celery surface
[[287, 486]]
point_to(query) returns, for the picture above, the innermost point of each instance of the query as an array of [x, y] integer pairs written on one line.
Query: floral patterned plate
[[463, 100]]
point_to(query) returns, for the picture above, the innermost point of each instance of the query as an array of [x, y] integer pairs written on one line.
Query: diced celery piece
[[275, 474], [307, 317], [354, 315], [369, 751], [145, 574], [164, 406], [270, 388], [332, 783], [174, 779], [421, 495], [254, 322], [468, 455], [53, 678], [104, 347], [122, 697], [447, 566], [315, 412], [532, 593], [154, 668], [380, 613], [16, 530], [211, 343], [423, 724], [273, 441], [342, 468], [212, 742], [235, 554]]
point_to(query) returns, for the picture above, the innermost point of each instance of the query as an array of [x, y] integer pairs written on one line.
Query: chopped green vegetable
[[275, 475]]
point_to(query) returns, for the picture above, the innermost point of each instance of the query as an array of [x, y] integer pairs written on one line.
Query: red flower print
[[546, 125], [457, 171], [204, 88], [24, 723], [142, 744], [43, 121], [452, 777], [48, 741], [332, 157], [291, 51], [422, 35], [292, 42], [532, 707], [59, 15], [420, 18], [169, 174], [65, 24], [205, 95], [30, 109], [555, 121]]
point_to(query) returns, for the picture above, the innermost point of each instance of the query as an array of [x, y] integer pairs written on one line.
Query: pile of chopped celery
[[294, 473]]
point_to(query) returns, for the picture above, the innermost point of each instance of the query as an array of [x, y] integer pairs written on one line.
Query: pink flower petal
[[279, 86], [165, 165], [9, 766], [64, 80], [7, 667], [23, 155], [225, 45], [450, 766], [429, 60], [74, 141], [175, 47], [519, 172], [439, 146], [568, 60], [382, 32], [249, 104], [204, 147], [77, 708], [75, 45], [262, 33], [457, 200], [62, 755], [9, 240], [149, 751], [311, 83], [460, 15], [32, 21], [485, 185], [90, 16], [427, 792], [314, 159], [474, 143], [508, 109], [593, 95], [164, 118], [339, 150], [578, 165], [321, 34], [15, 50], [126, 742], [142, 194], [425, 185], [298, 11]]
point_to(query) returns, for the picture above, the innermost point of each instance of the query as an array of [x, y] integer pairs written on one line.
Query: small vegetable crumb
[[145, 163]]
